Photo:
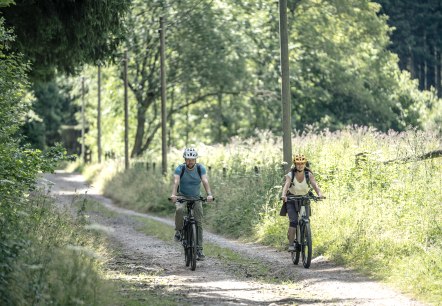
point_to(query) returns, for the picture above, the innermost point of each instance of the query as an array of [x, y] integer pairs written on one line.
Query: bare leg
[[291, 235]]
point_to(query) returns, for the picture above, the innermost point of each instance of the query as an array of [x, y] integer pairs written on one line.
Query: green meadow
[[381, 216]]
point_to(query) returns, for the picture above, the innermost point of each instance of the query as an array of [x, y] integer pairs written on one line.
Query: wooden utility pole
[[82, 120], [285, 86], [163, 97], [99, 115], [126, 116]]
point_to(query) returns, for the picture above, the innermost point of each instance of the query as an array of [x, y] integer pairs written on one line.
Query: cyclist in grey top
[[187, 182]]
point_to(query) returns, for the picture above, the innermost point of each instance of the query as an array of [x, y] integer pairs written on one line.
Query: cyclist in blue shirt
[[187, 182]]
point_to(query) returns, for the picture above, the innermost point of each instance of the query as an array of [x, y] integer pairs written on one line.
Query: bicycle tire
[[295, 256], [297, 251], [192, 247], [306, 245], [185, 245]]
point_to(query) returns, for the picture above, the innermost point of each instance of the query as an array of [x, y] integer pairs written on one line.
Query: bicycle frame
[[189, 217], [303, 218]]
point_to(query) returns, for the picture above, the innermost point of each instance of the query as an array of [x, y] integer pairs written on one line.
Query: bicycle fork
[[186, 229]]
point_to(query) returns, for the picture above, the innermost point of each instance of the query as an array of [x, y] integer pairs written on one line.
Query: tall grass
[[380, 217], [59, 262]]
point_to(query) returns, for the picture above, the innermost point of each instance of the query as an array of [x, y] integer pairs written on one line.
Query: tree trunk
[[438, 70], [421, 75], [412, 64], [220, 117], [139, 134], [424, 71], [431, 75], [170, 141], [143, 105], [187, 120], [428, 155]]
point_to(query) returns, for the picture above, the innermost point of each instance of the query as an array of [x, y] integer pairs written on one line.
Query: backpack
[[183, 169], [306, 173]]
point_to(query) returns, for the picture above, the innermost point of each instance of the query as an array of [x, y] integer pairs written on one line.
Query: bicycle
[[189, 233], [303, 235]]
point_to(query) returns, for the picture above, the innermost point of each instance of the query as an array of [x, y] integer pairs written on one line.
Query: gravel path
[[214, 282]]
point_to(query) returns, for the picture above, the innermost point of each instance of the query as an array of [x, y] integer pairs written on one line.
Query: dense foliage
[[417, 38], [58, 37], [36, 267], [343, 72], [52, 109], [223, 68], [63, 35], [223, 74]]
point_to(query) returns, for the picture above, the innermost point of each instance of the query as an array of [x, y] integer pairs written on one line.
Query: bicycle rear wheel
[[192, 247], [306, 245]]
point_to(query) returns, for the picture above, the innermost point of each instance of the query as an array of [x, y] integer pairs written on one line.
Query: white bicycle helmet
[[190, 153]]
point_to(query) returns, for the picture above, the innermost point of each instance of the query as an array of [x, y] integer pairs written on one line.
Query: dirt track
[[214, 282]]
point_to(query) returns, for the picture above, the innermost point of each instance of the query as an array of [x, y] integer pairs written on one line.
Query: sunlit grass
[[138, 289], [123, 285], [62, 262], [154, 228], [88, 205], [378, 216]]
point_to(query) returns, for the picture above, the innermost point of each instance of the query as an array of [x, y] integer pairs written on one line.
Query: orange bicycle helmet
[[299, 158]]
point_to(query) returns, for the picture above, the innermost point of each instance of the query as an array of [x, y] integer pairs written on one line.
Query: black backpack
[[183, 169], [306, 173]]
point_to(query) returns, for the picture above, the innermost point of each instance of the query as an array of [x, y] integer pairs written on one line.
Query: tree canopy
[[223, 73], [62, 35], [417, 38]]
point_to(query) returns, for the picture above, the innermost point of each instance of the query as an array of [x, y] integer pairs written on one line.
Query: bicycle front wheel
[[295, 253], [187, 254], [306, 245], [192, 247]]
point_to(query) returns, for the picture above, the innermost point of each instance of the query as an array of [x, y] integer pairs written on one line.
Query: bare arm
[[286, 187], [315, 185], [176, 183], [206, 185]]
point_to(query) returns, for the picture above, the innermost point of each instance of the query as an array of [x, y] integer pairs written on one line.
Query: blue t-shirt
[[190, 182]]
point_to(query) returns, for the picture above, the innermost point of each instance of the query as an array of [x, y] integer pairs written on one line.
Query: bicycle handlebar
[[182, 200], [305, 197]]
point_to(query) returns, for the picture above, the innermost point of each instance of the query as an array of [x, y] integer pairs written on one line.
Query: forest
[[365, 80], [348, 66]]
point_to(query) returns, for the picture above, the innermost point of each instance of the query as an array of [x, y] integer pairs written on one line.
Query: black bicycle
[[303, 236], [189, 232]]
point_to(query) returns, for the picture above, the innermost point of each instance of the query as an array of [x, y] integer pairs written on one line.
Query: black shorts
[[293, 209]]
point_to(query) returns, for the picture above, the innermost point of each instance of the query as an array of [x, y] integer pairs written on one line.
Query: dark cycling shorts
[[293, 208], [292, 212]]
